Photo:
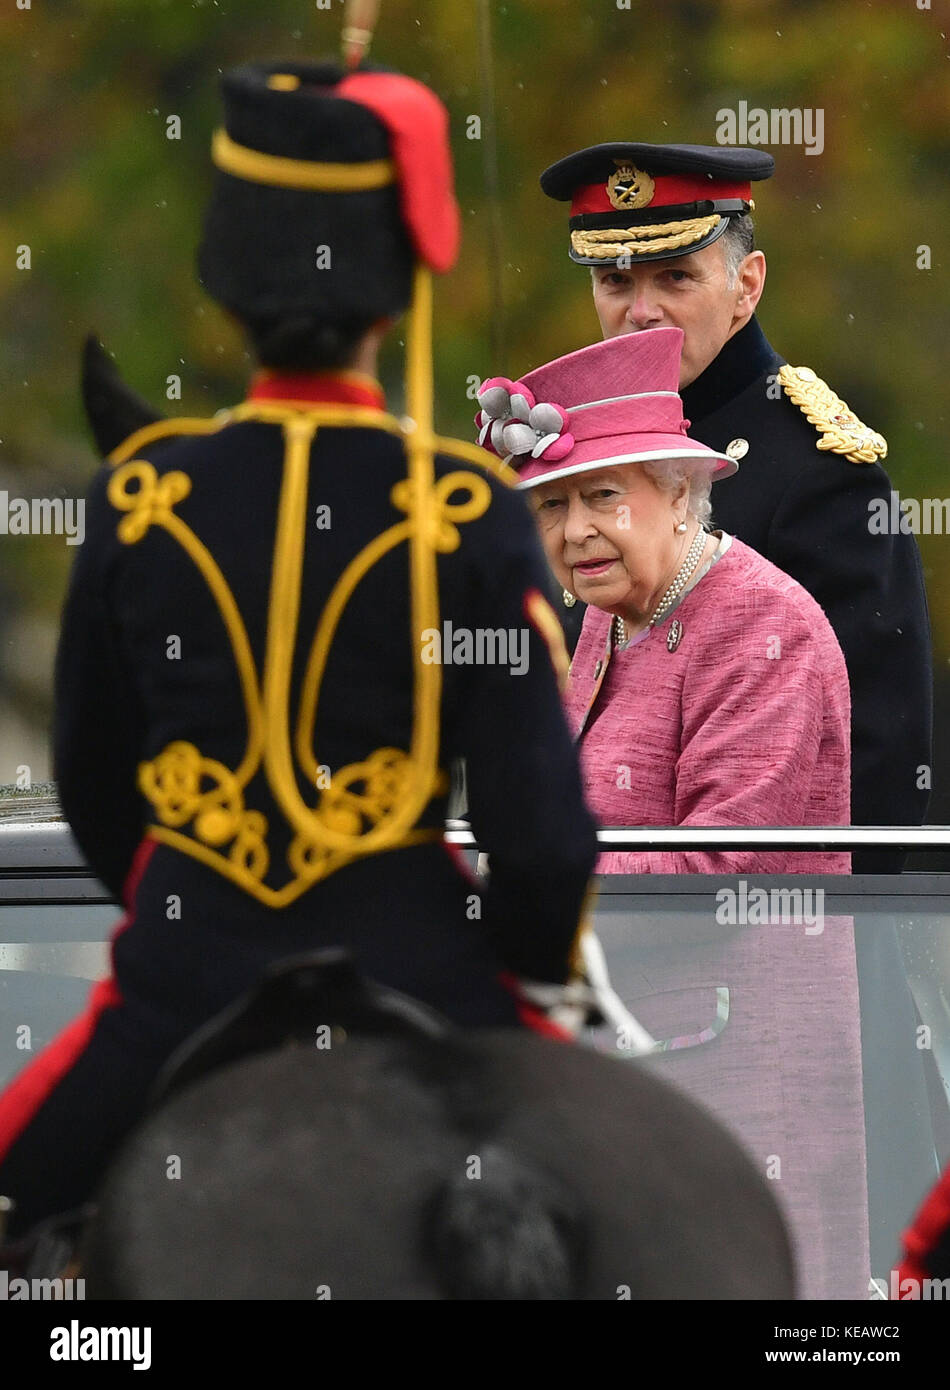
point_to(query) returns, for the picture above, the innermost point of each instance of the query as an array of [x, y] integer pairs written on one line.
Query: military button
[[738, 448]]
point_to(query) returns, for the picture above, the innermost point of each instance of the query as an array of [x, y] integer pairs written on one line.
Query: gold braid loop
[[442, 531], [150, 503], [607, 243], [174, 784], [359, 798], [249, 852]]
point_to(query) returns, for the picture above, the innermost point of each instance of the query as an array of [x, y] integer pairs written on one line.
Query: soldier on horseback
[[250, 749]]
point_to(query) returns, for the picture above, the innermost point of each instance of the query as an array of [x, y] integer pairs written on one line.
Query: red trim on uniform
[[532, 1018], [140, 860], [322, 388], [930, 1223], [669, 191], [33, 1086], [461, 865]]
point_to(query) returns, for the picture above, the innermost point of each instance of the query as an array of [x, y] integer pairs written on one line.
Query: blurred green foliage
[[111, 208]]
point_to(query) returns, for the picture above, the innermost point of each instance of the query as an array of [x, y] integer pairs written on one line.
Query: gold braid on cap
[[607, 243]]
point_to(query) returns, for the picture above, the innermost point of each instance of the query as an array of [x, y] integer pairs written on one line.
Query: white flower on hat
[[502, 401], [541, 432], [511, 423]]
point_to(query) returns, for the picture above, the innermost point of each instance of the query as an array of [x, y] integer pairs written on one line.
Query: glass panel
[[811, 1019], [815, 1024], [45, 981]]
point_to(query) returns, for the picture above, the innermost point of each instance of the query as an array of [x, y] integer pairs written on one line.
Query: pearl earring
[[682, 527]]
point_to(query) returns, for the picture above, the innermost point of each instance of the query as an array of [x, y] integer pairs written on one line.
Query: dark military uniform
[[283, 625], [807, 511], [223, 883]]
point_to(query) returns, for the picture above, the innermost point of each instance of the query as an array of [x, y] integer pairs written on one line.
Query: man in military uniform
[[270, 648], [667, 232], [668, 235]]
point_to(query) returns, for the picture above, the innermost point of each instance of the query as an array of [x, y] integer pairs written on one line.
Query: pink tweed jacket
[[744, 722]]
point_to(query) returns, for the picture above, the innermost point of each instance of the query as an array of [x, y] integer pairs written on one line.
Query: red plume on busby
[[329, 188]]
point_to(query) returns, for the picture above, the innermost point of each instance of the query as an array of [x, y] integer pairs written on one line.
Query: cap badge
[[738, 448], [629, 188]]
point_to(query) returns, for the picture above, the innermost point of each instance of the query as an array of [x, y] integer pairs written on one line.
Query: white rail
[[697, 837]]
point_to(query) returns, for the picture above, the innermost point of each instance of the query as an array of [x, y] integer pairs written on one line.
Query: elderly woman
[[707, 689]]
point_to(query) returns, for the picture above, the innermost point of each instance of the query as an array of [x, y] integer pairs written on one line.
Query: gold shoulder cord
[[841, 430], [367, 807]]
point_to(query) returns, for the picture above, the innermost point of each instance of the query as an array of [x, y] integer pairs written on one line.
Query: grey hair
[[737, 241], [670, 474]]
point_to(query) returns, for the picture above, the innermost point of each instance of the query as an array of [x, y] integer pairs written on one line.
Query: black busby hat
[[330, 187], [650, 202]]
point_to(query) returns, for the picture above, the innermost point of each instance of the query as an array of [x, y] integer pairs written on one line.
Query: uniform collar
[[342, 387], [741, 361]]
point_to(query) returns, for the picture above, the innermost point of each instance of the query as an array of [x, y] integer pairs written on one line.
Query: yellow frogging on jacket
[[370, 806]]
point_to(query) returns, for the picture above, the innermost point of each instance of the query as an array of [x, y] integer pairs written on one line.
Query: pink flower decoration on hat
[[540, 431], [502, 401]]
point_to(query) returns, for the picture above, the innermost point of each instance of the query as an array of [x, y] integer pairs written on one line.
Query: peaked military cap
[[329, 189], [650, 202]]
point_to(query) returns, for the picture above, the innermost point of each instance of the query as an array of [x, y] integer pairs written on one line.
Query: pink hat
[[615, 402]]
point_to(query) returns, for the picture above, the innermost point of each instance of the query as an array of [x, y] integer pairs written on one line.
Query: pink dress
[[744, 722]]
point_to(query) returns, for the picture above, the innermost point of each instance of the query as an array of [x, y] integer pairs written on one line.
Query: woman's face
[[610, 537]]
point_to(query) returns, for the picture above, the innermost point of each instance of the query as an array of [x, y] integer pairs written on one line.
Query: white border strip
[[832, 837], [701, 455], [612, 400]]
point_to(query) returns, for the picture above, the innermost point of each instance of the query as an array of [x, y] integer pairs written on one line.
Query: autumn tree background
[[110, 207]]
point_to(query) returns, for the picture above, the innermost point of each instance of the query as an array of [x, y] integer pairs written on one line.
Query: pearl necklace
[[683, 575]]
